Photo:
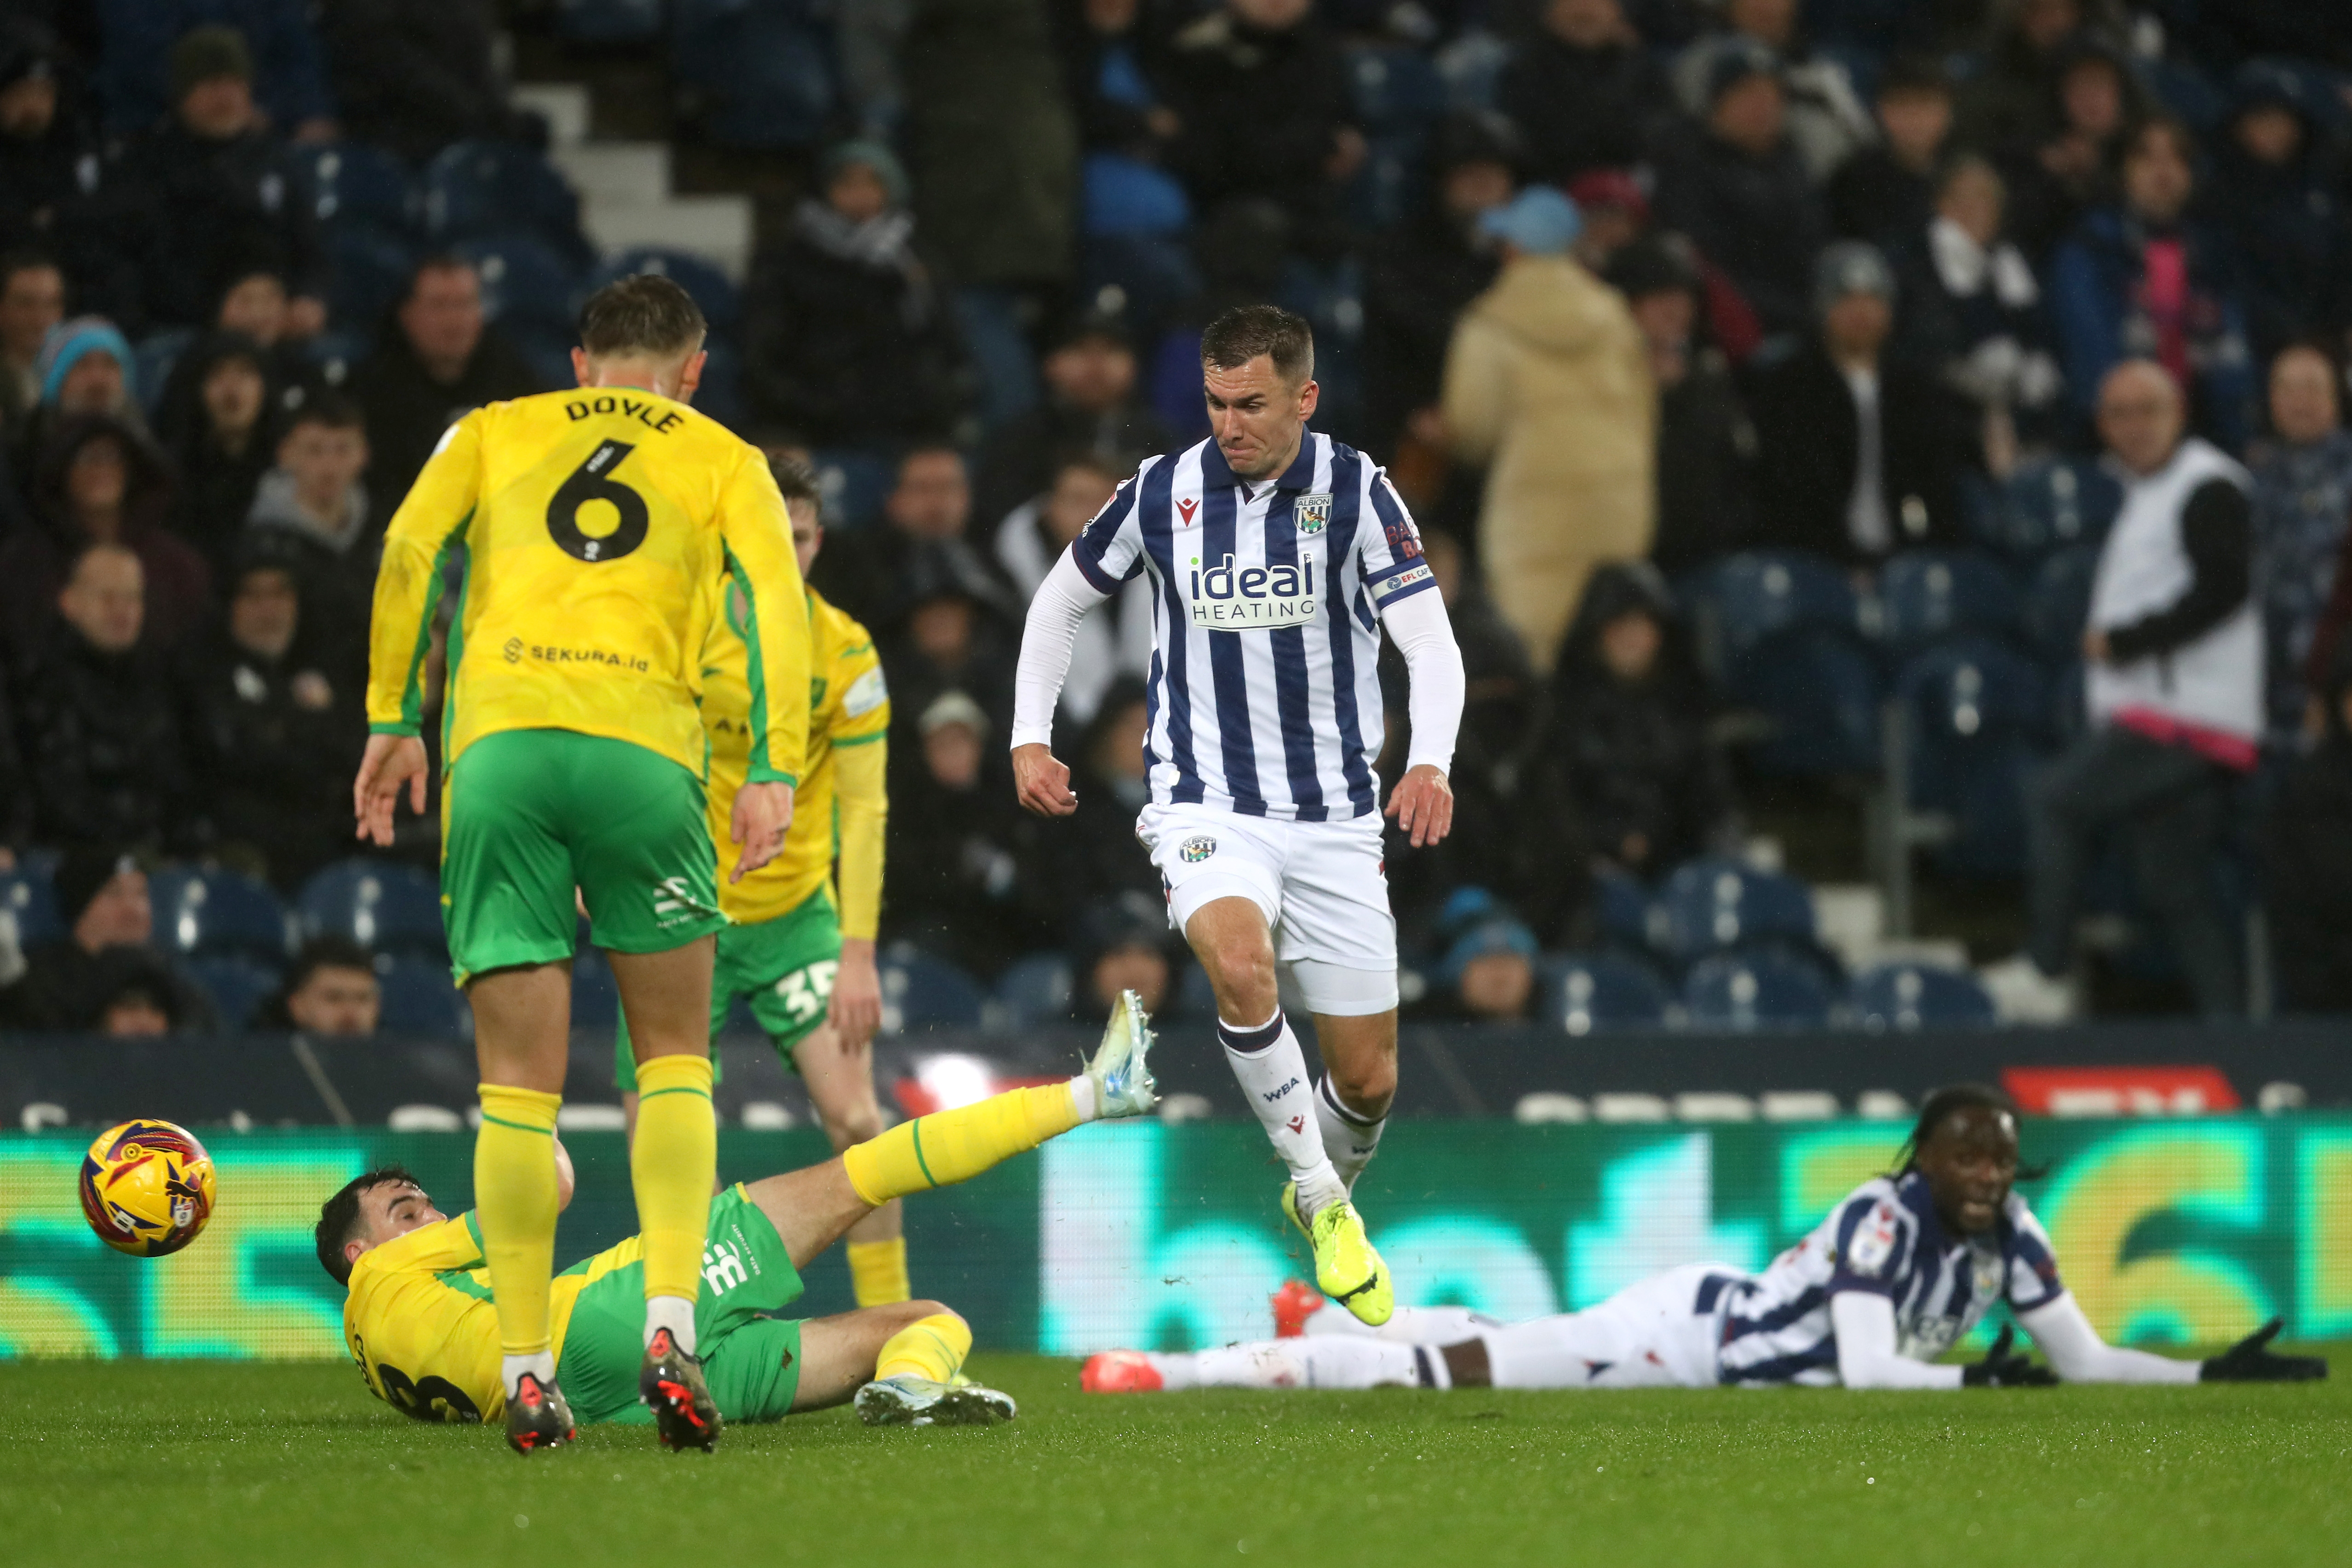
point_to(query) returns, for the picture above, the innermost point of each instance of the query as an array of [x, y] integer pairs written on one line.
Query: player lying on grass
[[1898, 1274], [419, 1320]]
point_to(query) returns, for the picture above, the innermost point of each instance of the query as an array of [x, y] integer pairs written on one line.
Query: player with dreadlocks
[[1896, 1275]]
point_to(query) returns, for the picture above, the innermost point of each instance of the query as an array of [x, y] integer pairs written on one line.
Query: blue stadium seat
[[758, 73], [28, 898], [370, 269], [1758, 596], [419, 997], [526, 282], [1822, 688], [1036, 990], [385, 906], [609, 21], [237, 985], [1907, 996], [2051, 503], [2058, 604], [475, 189], [1394, 87], [354, 184], [1979, 715], [595, 995], [1584, 992], [201, 912], [1928, 595], [1624, 906], [722, 306], [921, 992], [1714, 903], [852, 484], [1386, 189], [1756, 989]]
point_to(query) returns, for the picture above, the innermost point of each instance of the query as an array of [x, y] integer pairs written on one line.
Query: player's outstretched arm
[[1864, 1322], [2252, 1360], [2078, 1355]]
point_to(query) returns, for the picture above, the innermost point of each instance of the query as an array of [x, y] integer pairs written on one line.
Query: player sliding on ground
[[1898, 1274], [802, 960], [1275, 557], [418, 1320], [598, 532]]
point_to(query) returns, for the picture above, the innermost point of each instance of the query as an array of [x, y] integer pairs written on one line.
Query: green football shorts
[[531, 814], [751, 1362], [783, 967]]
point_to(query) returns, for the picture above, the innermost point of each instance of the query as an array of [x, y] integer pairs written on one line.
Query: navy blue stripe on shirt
[[1095, 540], [1159, 543], [1781, 1368], [1347, 515], [1288, 645], [1220, 525], [1779, 1317]]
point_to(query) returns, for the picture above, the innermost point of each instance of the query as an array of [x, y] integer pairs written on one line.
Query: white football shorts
[[1322, 887]]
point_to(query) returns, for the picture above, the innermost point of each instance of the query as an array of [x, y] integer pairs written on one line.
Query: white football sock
[[1348, 1139], [1271, 1072], [538, 1364], [1301, 1364], [675, 1314]]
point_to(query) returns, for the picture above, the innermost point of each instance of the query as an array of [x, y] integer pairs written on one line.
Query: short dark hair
[[438, 261], [795, 480], [328, 950], [1943, 1103], [329, 408], [2172, 128], [1914, 74], [1111, 468], [645, 313], [339, 1217], [1246, 331]]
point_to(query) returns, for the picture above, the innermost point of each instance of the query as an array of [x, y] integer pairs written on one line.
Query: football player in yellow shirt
[[598, 533], [800, 954], [418, 1320]]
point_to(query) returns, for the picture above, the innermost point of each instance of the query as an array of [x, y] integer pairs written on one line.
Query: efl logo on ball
[[1196, 850]]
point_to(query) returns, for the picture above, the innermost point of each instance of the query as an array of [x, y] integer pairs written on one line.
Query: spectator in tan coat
[[1547, 383]]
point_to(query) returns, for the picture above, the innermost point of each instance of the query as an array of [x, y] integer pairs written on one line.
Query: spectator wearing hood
[[106, 975], [1969, 308], [1263, 107], [101, 483], [1091, 405], [1707, 443], [1419, 281], [32, 303], [313, 510], [140, 72], [1827, 123], [220, 432], [1583, 90], [2277, 192], [1738, 186], [1110, 646], [1855, 451], [1121, 944], [1547, 384], [2306, 848], [50, 169], [1884, 193], [848, 343], [210, 182], [2144, 279], [2011, 98], [2302, 499], [1487, 973], [1638, 780], [2077, 163], [413, 76], [97, 720], [438, 361], [272, 731], [958, 842], [85, 367]]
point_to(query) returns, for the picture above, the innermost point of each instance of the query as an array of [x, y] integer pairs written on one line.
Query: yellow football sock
[[932, 1347], [671, 1165], [878, 1272], [515, 1199], [948, 1146]]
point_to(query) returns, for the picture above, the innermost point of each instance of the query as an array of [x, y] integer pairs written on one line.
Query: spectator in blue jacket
[[2302, 497], [134, 73], [2276, 190], [2142, 279]]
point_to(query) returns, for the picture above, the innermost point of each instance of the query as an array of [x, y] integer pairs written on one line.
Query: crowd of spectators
[[1616, 289]]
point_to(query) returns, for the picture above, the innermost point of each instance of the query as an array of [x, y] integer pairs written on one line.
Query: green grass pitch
[[195, 1463]]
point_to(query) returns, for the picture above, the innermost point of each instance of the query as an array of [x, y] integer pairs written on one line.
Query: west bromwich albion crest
[[1313, 512]]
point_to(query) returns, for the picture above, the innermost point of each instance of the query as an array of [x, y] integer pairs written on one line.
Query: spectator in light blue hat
[[85, 368], [1488, 970], [1538, 221]]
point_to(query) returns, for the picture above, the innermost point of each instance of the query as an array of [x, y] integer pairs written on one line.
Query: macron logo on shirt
[[1227, 598]]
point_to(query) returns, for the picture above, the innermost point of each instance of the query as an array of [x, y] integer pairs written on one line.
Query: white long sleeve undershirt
[[1867, 1358], [1418, 626]]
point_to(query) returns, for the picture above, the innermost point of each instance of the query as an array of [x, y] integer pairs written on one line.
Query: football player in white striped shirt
[[1275, 557], [1898, 1274]]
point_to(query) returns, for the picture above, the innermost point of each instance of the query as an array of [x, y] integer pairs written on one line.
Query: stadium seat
[[1928, 595], [369, 271], [1756, 597], [237, 985], [1756, 989], [609, 21], [2049, 504], [2058, 604], [854, 484], [757, 74], [595, 995], [201, 912], [1036, 990], [1386, 189], [385, 906], [1822, 689], [1978, 716], [475, 189], [526, 282], [354, 184], [921, 992], [1906, 996], [722, 307], [1624, 908], [1713, 904], [419, 997], [1584, 992], [28, 899], [1395, 88]]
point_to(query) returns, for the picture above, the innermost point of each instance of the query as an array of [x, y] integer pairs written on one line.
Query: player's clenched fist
[[1041, 782]]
